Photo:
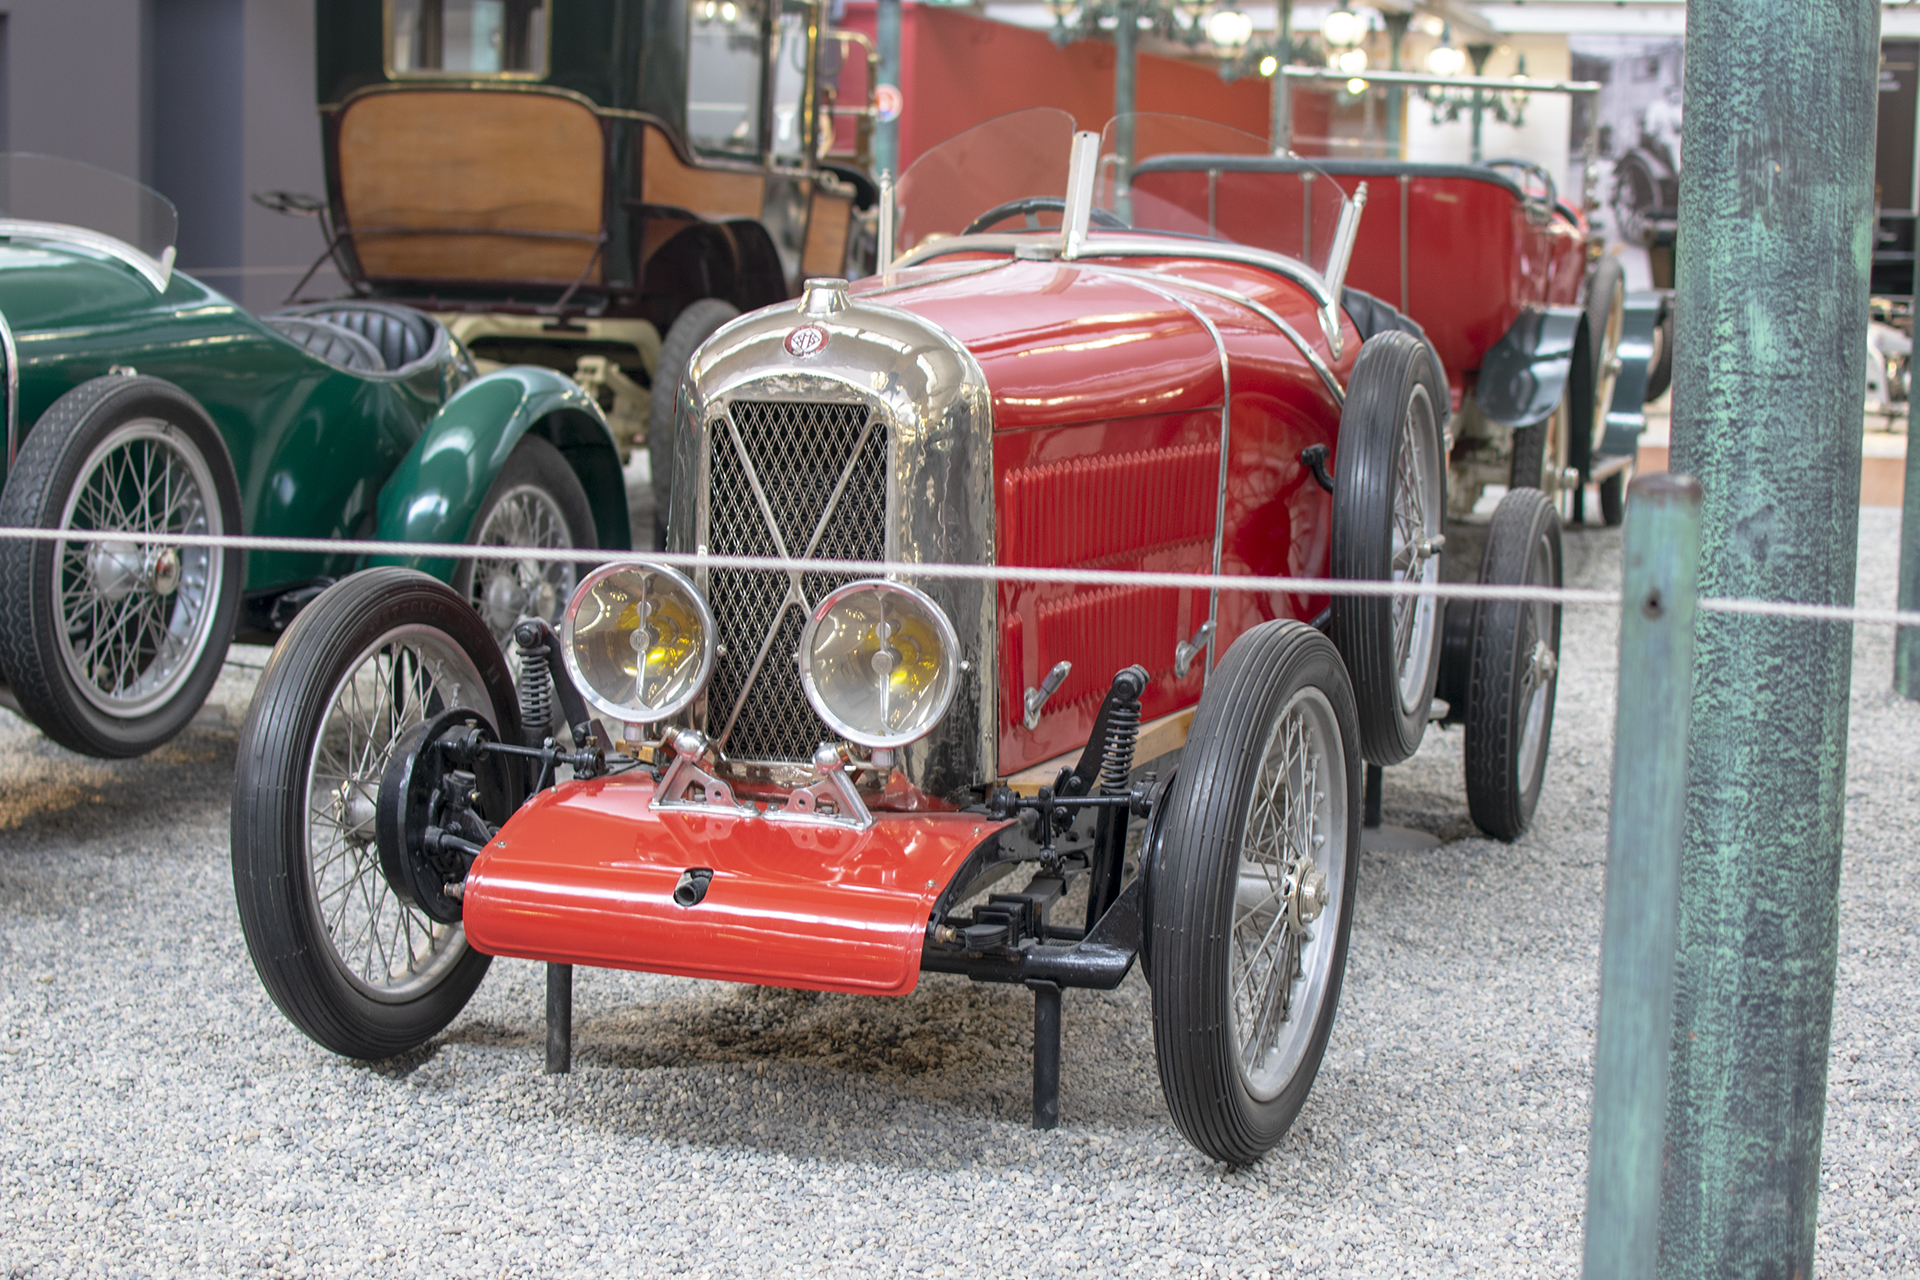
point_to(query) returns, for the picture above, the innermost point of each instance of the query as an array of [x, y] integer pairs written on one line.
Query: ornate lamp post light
[[1508, 106]]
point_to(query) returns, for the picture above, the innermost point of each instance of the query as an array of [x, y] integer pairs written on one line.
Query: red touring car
[[1129, 351]]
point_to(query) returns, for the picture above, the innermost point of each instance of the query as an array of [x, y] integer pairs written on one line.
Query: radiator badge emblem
[[807, 340]]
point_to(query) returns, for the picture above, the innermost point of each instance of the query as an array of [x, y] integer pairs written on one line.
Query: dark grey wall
[[206, 100], [197, 107]]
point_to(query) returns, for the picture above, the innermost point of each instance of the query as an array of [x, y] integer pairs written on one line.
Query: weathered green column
[[1126, 63], [1280, 100], [886, 45], [1776, 224], [1645, 819], [1906, 640]]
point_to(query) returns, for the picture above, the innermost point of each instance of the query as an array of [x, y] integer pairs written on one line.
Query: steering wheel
[[1527, 167], [1031, 205]]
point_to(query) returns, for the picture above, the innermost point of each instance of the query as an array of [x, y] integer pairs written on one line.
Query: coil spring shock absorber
[[1116, 753], [1123, 731], [535, 685], [1119, 723]]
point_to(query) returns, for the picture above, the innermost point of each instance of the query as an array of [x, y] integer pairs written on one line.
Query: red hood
[[1071, 341]]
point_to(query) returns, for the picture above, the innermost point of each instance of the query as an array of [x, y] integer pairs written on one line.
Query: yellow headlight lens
[[638, 641], [880, 663]]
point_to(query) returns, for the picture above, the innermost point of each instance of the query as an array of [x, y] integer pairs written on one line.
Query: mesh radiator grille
[[800, 453]]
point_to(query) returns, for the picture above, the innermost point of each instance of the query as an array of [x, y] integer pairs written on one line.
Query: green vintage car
[[142, 402]]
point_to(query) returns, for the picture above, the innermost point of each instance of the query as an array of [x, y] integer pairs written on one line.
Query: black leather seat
[[400, 335], [336, 344]]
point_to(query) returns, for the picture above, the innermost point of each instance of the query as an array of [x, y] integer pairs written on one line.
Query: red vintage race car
[[1086, 358]]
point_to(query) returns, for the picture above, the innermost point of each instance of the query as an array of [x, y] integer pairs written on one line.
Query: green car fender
[[435, 492]]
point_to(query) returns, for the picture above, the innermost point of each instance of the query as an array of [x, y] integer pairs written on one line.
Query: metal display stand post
[[1658, 590], [1906, 640], [1776, 224]]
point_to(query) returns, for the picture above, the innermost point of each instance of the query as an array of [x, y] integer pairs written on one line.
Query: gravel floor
[[158, 1116]]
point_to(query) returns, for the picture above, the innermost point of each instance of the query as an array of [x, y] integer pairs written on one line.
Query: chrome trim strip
[[154, 273], [1139, 245], [1147, 281], [1343, 237], [1292, 334], [977, 269], [1083, 163], [883, 221], [12, 355]]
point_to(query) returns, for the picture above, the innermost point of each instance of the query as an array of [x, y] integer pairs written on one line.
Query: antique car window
[[1008, 175], [723, 76], [789, 83], [467, 38], [1175, 174], [36, 188]]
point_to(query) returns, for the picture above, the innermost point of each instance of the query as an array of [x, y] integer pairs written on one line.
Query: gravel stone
[[158, 1117]]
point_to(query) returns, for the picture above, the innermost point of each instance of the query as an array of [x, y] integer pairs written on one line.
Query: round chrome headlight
[[880, 663], [638, 641]]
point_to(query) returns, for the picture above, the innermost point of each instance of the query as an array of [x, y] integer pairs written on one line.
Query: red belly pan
[[585, 875]]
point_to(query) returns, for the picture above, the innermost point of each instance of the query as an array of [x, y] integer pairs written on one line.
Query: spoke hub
[[1542, 665], [117, 569], [1305, 891]]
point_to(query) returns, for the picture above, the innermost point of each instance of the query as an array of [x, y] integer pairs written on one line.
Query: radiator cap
[[824, 295]]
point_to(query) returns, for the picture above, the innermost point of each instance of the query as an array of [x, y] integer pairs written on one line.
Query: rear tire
[[1513, 668], [1613, 501], [1259, 851], [691, 328], [349, 964], [111, 647], [1390, 499]]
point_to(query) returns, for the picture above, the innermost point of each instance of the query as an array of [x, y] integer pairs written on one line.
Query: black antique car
[[591, 186]]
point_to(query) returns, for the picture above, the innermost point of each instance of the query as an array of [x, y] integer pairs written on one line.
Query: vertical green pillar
[[1397, 24], [1280, 99], [1906, 640], [886, 42], [1126, 60], [1661, 559], [1776, 227]]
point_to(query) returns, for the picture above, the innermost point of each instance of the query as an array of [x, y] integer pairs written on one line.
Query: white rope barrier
[[1575, 596]]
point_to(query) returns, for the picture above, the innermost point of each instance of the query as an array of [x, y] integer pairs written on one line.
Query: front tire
[[1513, 668], [112, 646], [1253, 886], [1389, 509], [350, 964]]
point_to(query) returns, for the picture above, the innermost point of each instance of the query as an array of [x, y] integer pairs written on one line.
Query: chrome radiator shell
[[925, 391]]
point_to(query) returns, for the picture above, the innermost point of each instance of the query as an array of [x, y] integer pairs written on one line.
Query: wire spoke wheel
[[137, 611], [508, 589], [1279, 958], [535, 504], [359, 969], [1389, 509], [112, 645], [388, 949], [1513, 668], [1250, 895]]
